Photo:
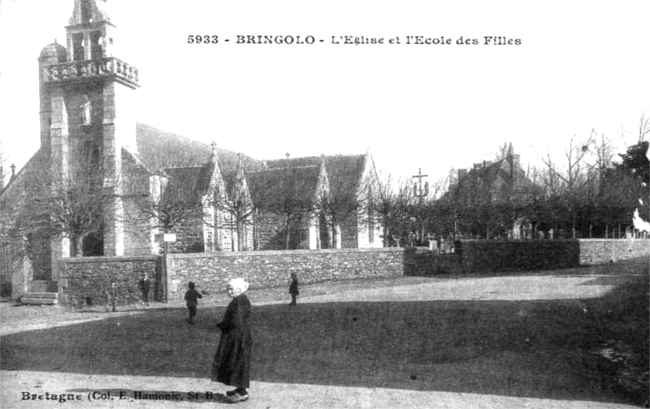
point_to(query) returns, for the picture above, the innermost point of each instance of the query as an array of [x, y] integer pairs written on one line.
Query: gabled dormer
[[216, 190]]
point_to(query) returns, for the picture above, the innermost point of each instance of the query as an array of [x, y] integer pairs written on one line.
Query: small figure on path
[[145, 285], [111, 295], [232, 360], [191, 300], [293, 288]]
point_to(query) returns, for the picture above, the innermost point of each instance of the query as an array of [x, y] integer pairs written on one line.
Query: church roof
[[343, 171], [269, 188], [36, 167], [187, 183], [160, 149]]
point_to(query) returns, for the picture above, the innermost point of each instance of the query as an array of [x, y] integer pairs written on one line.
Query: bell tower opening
[[96, 45], [86, 12], [78, 53]]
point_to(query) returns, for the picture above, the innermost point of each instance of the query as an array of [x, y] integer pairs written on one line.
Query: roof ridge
[[279, 169], [186, 167]]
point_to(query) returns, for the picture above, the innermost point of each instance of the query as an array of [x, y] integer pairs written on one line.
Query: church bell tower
[[87, 116]]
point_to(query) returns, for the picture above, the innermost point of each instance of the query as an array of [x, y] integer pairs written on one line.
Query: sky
[[578, 66]]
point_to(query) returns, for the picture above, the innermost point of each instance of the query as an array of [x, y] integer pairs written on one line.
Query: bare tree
[[63, 201], [236, 203], [286, 196], [567, 183], [644, 127], [391, 207], [350, 198]]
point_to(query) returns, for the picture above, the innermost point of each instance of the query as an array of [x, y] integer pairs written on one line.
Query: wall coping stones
[[108, 259], [284, 252]]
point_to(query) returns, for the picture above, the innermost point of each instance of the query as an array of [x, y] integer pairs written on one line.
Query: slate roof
[[269, 188], [343, 171], [186, 182], [160, 149], [490, 177], [34, 167]]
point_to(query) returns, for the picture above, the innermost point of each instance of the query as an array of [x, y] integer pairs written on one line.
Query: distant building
[[493, 199]]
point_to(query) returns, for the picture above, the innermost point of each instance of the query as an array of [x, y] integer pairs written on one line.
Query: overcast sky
[[580, 66]]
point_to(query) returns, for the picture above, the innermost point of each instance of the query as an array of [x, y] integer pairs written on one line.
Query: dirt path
[[26, 389], [93, 391]]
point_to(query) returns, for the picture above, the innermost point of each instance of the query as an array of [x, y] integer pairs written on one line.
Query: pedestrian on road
[[145, 285], [293, 289], [232, 360], [111, 295], [191, 300]]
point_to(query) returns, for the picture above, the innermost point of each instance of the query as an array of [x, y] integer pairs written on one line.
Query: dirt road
[[29, 389]]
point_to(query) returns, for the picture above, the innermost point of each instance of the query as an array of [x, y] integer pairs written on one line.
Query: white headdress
[[238, 285]]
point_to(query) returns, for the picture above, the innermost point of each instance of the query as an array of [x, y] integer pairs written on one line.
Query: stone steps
[[40, 298]]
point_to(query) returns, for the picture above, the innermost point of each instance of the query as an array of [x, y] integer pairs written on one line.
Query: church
[[103, 184]]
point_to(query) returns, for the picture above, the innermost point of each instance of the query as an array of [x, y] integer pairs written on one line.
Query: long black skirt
[[232, 361]]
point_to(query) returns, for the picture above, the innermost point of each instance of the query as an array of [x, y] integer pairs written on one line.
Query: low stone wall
[[524, 255], [599, 251], [83, 280], [210, 271], [424, 262], [488, 255]]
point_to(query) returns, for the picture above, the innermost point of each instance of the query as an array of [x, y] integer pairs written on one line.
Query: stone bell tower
[[87, 116]]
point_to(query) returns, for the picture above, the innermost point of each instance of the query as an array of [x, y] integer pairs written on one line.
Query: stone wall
[[487, 255], [493, 255], [211, 271], [424, 262], [84, 279], [598, 251]]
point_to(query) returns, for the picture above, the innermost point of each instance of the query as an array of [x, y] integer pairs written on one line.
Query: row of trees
[[590, 192]]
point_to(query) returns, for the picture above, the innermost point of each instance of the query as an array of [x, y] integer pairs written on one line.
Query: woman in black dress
[[232, 361]]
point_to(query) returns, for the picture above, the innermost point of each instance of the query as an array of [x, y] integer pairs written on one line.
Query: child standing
[[144, 285], [293, 288], [191, 298], [111, 295]]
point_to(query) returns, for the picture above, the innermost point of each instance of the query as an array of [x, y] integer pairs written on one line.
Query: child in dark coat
[[144, 285], [191, 299], [293, 288]]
